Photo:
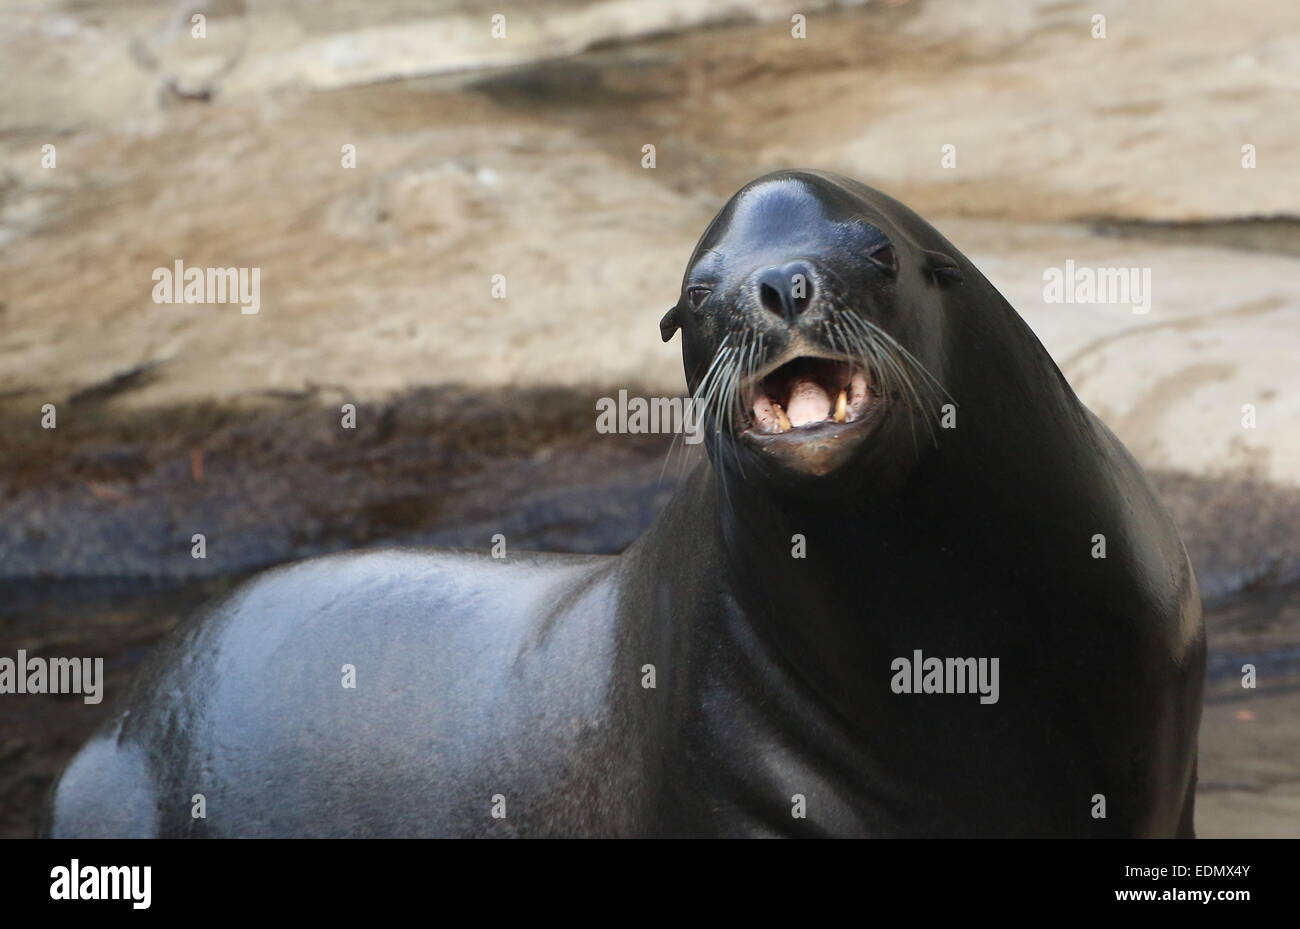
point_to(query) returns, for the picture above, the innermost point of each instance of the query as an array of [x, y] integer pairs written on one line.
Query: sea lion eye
[[697, 295], [884, 258]]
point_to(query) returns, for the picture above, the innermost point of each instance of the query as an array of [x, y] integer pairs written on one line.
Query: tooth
[[858, 387], [782, 420], [842, 406]]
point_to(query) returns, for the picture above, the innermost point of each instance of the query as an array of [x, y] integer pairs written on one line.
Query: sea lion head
[[813, 320]]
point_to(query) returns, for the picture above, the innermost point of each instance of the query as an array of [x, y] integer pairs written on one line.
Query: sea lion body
[[735, 671]]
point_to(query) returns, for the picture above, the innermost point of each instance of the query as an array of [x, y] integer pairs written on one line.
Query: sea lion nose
[[786, 290]]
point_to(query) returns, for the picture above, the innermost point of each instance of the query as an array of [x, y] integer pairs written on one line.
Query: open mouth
[[808, 394]]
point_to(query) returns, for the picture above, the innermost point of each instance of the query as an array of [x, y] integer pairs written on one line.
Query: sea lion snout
[[787, 290]]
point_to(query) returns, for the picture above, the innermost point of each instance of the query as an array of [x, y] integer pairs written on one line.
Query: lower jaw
[[812, 450]]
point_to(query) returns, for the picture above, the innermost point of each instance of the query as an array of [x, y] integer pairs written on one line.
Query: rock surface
[[535, 172]]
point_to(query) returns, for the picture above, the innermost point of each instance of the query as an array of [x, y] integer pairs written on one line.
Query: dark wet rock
[[121, 495]]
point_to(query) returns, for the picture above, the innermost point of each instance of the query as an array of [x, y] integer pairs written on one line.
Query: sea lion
[[917, 589]]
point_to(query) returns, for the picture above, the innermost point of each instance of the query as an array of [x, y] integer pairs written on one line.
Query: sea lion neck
[[791, 551]]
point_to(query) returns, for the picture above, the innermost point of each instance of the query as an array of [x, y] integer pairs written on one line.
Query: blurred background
[[1171, 142]]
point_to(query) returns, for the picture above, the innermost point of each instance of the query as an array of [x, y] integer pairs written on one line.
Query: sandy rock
[[379, 278]]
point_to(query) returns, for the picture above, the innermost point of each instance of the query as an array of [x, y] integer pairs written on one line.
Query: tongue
[[808, 402]]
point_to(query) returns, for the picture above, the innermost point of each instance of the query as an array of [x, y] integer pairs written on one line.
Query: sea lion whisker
[[705, 392], [731, 395], [884, 367], [905, 363], [903, 352]]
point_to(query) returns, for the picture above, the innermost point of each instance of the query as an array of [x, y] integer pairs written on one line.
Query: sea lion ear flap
[[942, 269], [668, 325]]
